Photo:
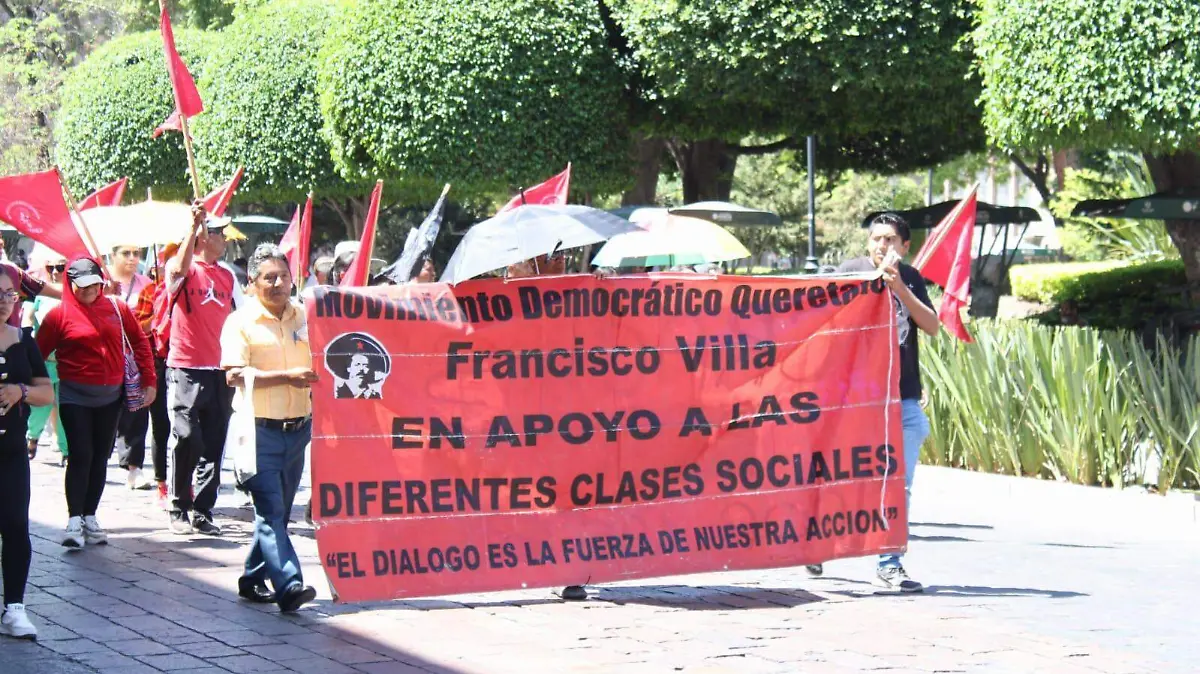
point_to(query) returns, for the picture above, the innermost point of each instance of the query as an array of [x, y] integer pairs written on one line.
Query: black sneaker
[[296, 596], [815, 570], [180, 524], [254, 591], [895, 578], [203, 524], [574, 593]]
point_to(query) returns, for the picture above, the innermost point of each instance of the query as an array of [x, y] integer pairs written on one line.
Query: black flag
[[418, 245]]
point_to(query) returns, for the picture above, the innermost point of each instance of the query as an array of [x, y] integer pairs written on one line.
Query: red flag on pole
[[360, 269], [33, 203], [216, 201], [187, 99], [549, 193], [171, 123], [945, 259], [296, 240], [109, 195]]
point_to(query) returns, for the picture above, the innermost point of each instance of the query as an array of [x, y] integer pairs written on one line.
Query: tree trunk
[[647, 156], [1175, 171], [352, 211], [705, 167]]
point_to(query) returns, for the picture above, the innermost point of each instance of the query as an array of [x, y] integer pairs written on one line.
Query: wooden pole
[[187, 134], [191, 155], [80, 224]]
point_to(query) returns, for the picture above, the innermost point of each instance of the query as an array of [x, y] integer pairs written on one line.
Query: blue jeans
[[915, 429], [280, 464]]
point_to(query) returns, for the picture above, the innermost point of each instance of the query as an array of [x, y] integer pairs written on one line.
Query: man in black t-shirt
[[888, 244]]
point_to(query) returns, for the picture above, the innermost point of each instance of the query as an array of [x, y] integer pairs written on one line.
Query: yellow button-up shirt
[[254, 338]]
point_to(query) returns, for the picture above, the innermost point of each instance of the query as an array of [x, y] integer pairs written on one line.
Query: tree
[[203, 14], [39, 40], [486, 94], [1098, 75], [112, 102], [263, 112], [884, 85]]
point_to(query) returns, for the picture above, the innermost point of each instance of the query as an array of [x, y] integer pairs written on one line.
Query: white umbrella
[[670, 240], [527, 232], [146, 224]]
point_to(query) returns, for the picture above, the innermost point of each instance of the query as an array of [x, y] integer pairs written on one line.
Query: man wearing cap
[[201, 400]]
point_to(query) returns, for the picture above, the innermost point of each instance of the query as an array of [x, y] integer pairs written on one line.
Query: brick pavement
[[1014, 598]]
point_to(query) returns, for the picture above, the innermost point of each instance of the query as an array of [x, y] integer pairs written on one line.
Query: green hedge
[[1105, 295], [1088, 406], [1045, 282]]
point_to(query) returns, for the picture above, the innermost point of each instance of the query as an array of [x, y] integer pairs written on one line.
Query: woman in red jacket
[[88, 331]]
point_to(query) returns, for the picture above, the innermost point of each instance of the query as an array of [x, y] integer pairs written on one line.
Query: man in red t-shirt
[[201, 400]]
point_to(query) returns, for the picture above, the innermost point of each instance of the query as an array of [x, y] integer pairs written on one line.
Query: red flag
[[945, 259], [295, 242], [171, 123], [218, 200], [549, 193], [360, 269], [187, 99], [33, 204], [109, 195]]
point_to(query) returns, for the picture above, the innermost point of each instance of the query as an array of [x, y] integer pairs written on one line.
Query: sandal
[[32, 445]]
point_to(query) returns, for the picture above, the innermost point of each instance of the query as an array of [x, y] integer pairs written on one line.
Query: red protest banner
[[557, 431]]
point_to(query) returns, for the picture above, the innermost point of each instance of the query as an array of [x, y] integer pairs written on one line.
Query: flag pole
[[80, 224], [187, 134]]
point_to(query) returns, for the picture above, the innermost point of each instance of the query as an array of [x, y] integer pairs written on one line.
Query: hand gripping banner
[[569, 430]]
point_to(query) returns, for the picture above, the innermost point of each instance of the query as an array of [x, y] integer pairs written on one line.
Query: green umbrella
[[1181, 204]]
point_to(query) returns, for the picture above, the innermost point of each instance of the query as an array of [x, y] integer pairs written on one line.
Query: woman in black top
[[23, 382]]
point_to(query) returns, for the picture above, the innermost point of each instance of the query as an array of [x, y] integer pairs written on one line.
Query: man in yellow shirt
[[267, 340]]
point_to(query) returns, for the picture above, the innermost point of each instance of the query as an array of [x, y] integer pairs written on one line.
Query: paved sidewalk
[[1020, 581]]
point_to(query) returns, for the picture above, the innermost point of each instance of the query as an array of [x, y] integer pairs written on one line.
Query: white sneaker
[[138, 481], [16, 624], [93, 533], [73, 536]]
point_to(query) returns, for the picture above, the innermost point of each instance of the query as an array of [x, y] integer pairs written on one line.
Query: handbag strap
[[121, 321]]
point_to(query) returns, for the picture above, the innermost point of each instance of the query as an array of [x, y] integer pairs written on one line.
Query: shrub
[[112, 102], [484, 94], [1088, 406], [1110, 296], [1045, 282]]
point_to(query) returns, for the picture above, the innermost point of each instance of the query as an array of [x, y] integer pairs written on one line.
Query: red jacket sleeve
[[141, 346], [49, 333]]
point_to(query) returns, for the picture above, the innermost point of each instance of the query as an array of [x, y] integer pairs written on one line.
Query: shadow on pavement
[[90, 605], [941, 539], [948, 525], [706, 598], [982, 591], [1077, 545]]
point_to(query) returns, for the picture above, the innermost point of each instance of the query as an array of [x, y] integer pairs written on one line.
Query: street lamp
[[810, 264]]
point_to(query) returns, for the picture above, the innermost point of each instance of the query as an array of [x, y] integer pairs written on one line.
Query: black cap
[[85, 272]]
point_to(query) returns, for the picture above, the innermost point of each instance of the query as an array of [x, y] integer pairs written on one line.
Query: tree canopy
[[485, 94], [884, 84], [110, 105], [262, 108], [1098, 75]]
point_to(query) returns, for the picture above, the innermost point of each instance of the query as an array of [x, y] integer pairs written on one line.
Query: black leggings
[[160, 422], [91, 432], [14, 524]]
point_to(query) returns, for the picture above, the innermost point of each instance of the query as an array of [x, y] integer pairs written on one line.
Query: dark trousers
[[131, 438], [201, 403], [14, 524], [91, 432], [160, 422]]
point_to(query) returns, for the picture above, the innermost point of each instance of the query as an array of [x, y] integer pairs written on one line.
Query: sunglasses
[[129, 253], [60, 268], [9, 296]]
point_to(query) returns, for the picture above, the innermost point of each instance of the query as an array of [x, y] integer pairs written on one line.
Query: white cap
[[345, 247]]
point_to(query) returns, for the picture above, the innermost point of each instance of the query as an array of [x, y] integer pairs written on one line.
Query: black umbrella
[[985, 214]]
